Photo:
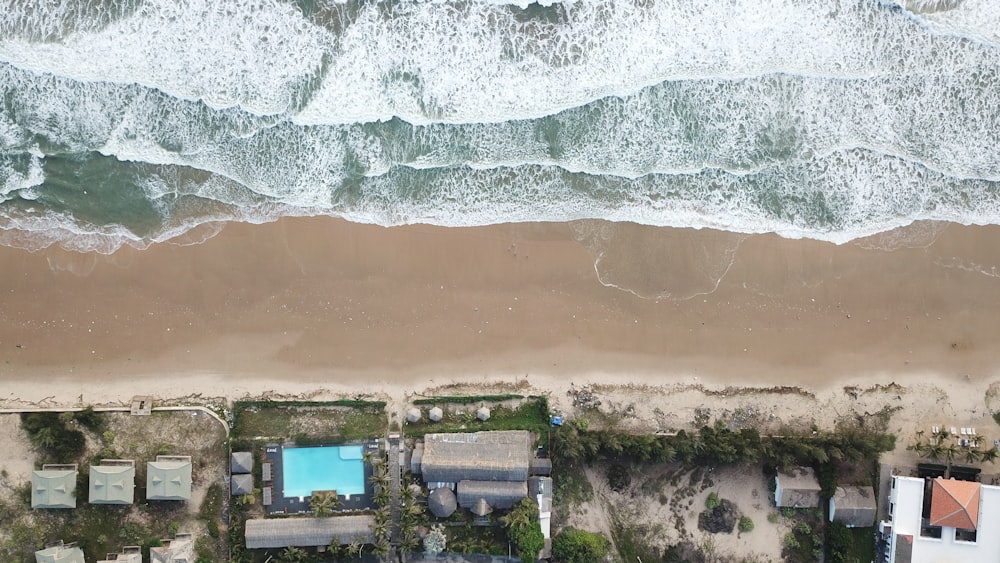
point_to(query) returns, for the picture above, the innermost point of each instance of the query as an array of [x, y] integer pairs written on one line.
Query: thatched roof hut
[[499, 494], [309, 532], [241, 462], [441, 502], [413, 414], [476, 456], [435, 414], [242, 484], [481, 507], [483, 414]]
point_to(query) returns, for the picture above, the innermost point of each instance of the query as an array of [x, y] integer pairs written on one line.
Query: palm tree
[[292, 555], [323, 503], [972, 455], [991, 455]]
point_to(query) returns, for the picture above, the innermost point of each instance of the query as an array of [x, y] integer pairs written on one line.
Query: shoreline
[[319, 303]]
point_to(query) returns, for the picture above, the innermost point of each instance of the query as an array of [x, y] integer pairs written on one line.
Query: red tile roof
[[955, 504]]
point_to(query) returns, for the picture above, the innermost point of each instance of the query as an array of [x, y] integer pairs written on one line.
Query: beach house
[[942, 520], [54, 486]]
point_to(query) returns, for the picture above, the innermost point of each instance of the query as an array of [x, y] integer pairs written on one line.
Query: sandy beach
[[316, 303]]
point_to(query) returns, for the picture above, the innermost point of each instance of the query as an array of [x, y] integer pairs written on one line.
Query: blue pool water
[[323, 468]]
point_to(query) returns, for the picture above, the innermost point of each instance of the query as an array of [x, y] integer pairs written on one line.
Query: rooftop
[[308, 532]]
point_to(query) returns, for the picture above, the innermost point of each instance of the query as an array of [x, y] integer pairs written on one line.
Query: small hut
[[413, 414], [483, 414], [441, 502], [481, 507], [241, 462], [436, 414], [242, 484]]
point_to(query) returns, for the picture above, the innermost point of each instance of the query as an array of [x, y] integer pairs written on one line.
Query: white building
[[957, 523]]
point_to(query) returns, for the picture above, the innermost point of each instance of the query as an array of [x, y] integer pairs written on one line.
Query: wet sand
[[306, 303]]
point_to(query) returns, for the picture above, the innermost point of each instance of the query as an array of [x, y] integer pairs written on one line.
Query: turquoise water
[[139, 121], [324, 468]]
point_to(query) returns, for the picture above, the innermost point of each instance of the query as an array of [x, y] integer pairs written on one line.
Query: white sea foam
[[978, 20]]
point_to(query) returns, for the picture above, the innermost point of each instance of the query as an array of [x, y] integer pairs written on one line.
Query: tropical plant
[[579, 546], [293, 555], [323, 503], [435, 542]]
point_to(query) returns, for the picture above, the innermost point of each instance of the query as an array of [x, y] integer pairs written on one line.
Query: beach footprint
[[658, 262]]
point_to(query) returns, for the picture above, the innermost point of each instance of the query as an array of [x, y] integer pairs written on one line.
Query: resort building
[[168, 478], [854, 506], [129, 554], [476, 456], [797, 488], [54, 486], [940, 520], [309, 532], [60, 553], [180, 549], [112, 482], [540, 489], [498, 494]]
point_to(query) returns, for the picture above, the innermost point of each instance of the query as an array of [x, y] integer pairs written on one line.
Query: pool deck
[[295, 505]]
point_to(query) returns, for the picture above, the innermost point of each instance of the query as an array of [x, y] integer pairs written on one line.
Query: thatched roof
[[540, 466], [476, 456], [481, 507], [241, 462], [242, 484], [53, 488], [112, 484], [499, 494], [441, 502], [168, 479], [413, 414], [309, 532], [435, 414], [854, 507], [483, 414]]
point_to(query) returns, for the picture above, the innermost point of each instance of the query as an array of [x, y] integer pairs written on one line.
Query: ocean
[[139, 121]]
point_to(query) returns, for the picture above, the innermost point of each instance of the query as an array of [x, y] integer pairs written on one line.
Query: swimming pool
[[322, 468]]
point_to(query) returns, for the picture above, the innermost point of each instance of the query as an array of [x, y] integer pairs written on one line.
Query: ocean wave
[[428, 62]]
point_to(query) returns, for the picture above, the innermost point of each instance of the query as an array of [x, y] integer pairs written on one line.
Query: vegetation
[[718, 445], [435, 541], [50, 435], [466, 399], [532, 414], [308, 422], [323, 503], [524, 530], [712, 500], [746, 524], [619, 477], [579, 546]]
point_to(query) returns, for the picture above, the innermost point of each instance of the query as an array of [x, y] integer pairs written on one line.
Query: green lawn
[[863, 548], [532, 415], [309, 422]]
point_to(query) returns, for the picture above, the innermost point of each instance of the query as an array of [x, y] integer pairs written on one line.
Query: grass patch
[[571, 488], [863, 546], [631, 542], [532, 414], [465, 399], [309, 422], [466, 538]]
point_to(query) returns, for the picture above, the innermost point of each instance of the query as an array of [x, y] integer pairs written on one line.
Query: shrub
[[773, 517], [579, 546], [712, 501], [619, 477], [746, 524]]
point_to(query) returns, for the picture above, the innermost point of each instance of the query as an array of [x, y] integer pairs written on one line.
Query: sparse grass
[[532, 415], [863, 547], [630, 539], [467, 538], [309, 423], [571, 488]]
